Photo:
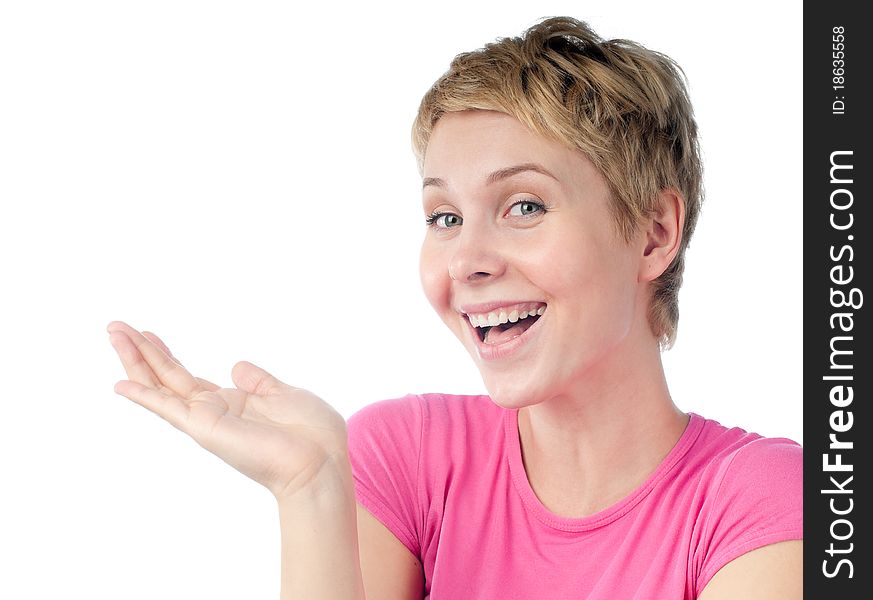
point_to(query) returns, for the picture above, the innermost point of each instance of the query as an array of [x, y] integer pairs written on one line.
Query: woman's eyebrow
[[515, 170], [497, 175]]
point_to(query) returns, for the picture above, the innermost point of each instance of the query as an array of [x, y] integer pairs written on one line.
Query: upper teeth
[[506, 315]]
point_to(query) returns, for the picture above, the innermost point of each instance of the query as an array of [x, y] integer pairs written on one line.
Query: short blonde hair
[[624, 106]]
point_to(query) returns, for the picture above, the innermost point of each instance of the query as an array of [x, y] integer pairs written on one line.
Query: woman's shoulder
[[734, 452], [430, 409], [749, 494], [435, 427], [403, 449]]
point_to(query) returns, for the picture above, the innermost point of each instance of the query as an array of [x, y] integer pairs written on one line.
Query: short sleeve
[[385, 449], [759, 501]]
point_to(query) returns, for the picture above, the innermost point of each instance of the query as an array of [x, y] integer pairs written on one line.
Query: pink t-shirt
[[445, 474]]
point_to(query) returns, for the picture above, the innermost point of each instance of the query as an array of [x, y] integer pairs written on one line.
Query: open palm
[[281, 436]]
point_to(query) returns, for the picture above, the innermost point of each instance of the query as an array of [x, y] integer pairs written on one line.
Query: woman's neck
[[591, 446]]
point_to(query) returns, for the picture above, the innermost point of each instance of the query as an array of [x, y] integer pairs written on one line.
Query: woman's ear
[[663, 234]]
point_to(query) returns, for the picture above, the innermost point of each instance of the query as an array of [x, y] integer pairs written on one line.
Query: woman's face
[[522, 225]]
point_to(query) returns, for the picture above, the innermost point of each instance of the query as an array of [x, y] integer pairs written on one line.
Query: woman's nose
[[476, 257]]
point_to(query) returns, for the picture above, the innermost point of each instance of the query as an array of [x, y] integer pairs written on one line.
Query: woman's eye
[[525, 208], [443, 220]]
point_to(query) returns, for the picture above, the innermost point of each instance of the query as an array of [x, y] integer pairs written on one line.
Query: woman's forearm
[[320, 558]]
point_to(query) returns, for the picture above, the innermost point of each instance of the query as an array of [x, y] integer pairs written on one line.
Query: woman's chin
[[512, 397]]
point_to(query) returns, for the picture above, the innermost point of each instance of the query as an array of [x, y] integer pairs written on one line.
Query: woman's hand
[[283, 437]]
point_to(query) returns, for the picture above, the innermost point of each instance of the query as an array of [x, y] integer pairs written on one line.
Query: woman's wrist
[[330, 484]]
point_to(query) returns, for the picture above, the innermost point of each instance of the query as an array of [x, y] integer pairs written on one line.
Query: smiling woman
[[561, 187], [561, 184]]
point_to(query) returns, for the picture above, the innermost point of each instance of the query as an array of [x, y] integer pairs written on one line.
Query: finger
[[255, 380], [169, 373], [135, 366], [170, 408], [152, 337]]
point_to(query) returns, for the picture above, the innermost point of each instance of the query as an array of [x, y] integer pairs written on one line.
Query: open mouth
[[501, 326]]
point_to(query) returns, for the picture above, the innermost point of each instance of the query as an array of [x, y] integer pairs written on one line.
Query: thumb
[[254, 380]]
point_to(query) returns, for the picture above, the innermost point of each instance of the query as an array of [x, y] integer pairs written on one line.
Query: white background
[[237, 177]]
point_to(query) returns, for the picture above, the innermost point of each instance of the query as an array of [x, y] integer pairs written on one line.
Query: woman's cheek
[[434, 278]]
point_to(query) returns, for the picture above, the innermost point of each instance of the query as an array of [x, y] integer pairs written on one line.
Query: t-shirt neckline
[[607, 515]]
